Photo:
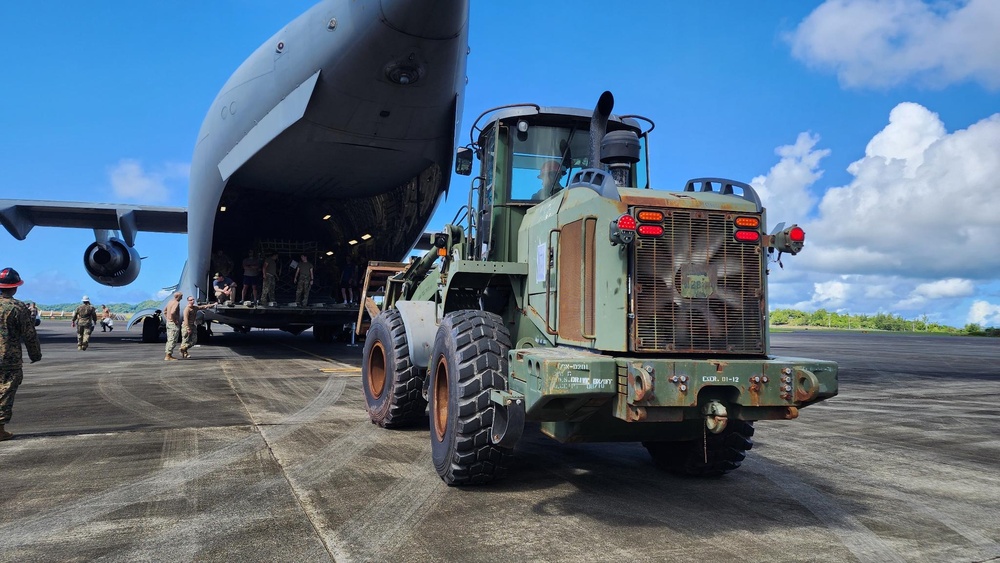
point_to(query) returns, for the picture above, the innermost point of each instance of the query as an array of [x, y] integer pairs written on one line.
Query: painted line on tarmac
[[340, 365]]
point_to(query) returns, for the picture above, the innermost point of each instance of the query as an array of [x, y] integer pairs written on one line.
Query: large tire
[[393, 385], [150, 330], [726, 452], [469, 359]]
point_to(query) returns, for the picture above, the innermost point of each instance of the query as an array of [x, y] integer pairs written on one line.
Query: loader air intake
[[620, 150]]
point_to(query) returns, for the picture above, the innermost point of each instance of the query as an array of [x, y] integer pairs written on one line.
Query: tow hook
[[716, 416]]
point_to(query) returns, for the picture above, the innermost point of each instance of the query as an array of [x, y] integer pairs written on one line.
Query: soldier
[[84, 319], [251, 278], [106, 319], [270, 278], [189, 332], [16, 326], [550, 174], [303, 281], [172, 314]]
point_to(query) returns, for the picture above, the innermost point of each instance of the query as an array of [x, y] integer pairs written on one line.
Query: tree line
[[878, 321], [117, 308]]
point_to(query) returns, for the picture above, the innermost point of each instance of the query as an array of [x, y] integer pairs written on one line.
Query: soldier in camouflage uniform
[[84, 319], [189, 328], [303, 281], [172, 316], [270, 277], [16, 326]]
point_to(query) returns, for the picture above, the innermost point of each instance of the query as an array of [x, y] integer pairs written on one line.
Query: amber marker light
[[747, 222], [746, 236], [651, 216]]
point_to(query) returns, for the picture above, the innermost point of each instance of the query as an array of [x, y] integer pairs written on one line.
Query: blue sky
[[874, 124]]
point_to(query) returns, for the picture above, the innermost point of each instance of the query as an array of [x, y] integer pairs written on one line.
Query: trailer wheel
[[469, 359], [393, 385], [726, 452], [150, 330]]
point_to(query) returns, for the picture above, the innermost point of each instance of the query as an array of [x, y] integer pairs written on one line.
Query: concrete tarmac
[[259, 449]]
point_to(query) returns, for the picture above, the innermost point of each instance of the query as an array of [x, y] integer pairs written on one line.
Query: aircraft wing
[[20, 216]]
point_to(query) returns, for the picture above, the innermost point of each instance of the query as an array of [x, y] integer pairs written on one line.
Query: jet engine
[[111, 262]]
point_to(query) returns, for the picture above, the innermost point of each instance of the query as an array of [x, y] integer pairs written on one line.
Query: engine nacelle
[[112, 262]]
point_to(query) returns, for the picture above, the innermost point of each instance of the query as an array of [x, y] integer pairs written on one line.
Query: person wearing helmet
[[84, 319], [550, 174], [16, 327]]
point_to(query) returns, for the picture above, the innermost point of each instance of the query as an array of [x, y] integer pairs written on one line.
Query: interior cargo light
[[366, 236], [747, 236], [651, 216], [326, 217], [650, 230], [748, 222], [352, 242], [797, 234]]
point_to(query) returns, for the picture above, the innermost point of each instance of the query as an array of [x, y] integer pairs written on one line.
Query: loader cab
[[529, 155]]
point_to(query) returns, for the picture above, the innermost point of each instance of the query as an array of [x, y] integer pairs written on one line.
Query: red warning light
[[747, 236], [796, 234], [626, 222], [650, 230]]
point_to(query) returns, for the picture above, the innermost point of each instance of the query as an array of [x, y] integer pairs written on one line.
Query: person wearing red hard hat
[[17, 326]]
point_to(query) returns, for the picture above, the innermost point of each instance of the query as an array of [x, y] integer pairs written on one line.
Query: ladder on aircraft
[[376, 278]]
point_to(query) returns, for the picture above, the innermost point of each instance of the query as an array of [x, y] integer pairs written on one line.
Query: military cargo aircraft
[[336, 133]]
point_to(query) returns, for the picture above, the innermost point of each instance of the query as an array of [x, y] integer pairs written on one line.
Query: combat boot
[[168, 357], [4, 435]]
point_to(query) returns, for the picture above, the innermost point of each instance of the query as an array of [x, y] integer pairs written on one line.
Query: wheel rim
[[376, 370], [441, 399]]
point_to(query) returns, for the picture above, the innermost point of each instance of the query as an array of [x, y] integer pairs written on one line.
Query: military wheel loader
[[569, 293]]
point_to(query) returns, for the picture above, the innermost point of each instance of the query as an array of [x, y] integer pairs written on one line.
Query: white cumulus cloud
[[984, 313], [784, 190], [882, 43], [940, 289], [923, 203], [132, 182]]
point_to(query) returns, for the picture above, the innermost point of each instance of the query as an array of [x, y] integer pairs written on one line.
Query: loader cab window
[[544, 158]]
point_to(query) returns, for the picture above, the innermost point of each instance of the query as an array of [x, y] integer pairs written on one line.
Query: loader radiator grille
[[696, 289]]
